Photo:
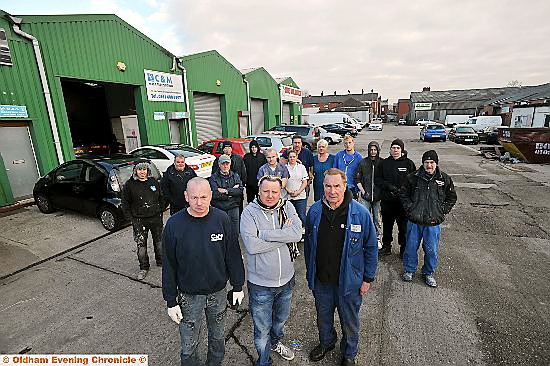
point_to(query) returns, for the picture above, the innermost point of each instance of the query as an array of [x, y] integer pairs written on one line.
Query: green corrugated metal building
[[94, 67], [291, 108], [95, 83]]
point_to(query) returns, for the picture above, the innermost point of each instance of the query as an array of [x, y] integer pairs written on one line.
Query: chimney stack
[[426, 88]]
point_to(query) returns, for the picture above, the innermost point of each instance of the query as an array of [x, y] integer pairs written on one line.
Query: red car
[[214, 147]]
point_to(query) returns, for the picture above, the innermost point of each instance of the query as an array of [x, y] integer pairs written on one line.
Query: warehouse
[[217, 96], [264, 100], [291, 101], [72, 84]]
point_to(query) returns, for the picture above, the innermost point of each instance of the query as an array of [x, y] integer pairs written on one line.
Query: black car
[[464, 135], [489, 135], [340, 129], [91, 186]]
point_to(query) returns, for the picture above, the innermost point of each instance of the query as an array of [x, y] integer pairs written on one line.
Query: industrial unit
[[76, 84]]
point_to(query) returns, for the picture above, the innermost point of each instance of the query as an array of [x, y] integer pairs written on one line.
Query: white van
[[456, 119], [480, 122], [319, 119]]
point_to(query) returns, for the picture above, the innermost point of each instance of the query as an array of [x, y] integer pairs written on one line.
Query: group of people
[[199, 250]]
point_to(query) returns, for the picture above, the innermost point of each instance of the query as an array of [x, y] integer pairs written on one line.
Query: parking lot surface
[[491, 306]]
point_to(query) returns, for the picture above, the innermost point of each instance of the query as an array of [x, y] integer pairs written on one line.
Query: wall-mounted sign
[[422, 106], [159, 116], [290, 94], [163, 87], [13, 111]]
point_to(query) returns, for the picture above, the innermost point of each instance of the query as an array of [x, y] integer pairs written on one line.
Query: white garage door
[[208, 116], [286, 113], [257, 110]]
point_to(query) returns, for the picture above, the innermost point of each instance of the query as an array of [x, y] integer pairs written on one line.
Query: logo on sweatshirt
[[216, 237], [153, 188]]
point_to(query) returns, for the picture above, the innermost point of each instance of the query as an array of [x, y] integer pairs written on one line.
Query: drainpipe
[[281, 98], [16, 22], [186, 96], [248, 106]]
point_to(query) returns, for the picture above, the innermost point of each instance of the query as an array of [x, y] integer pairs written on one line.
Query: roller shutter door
[[257, 110], [208, 116], [286, 113]]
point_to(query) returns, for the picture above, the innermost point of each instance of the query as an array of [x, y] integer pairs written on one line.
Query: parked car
[[376, 127], [310, 134], [463, 135], [489, 135], [402, 122], [280, 143], [480, 122], [422, 122], [340, 130], [163, 156], [432, 132], [330, 137], [240, 146], [89, 186]]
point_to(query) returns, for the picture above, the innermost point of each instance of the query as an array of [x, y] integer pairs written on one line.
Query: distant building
[[329, 102]]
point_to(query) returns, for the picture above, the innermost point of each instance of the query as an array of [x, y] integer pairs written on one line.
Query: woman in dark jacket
[[253, 160]]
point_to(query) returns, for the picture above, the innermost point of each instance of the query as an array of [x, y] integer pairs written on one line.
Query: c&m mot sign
[[163, 87]]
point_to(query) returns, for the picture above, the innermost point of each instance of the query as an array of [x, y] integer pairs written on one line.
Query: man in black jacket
[[227, 190], [174, 183], [201, 252], [369, 188], [237, 166], [395, 169], [427, 196], [143, 202], [253, 160]]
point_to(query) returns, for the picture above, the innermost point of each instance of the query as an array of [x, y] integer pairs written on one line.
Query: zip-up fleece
[[428, 198], [142, 198], [367, 174], [174, 183], [268, 257], [393, 173], [360, 252]]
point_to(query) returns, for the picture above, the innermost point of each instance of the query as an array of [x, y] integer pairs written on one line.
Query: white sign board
[[290, 94], [163, 87], [422, 106]]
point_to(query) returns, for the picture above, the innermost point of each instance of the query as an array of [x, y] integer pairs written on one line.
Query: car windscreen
[[287, 141], [124, 172], [465, 130], [435, 127], [186, 151]]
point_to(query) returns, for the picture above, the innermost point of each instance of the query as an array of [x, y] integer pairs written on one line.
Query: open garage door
[[286, 113], [258, 117], [208, 116]]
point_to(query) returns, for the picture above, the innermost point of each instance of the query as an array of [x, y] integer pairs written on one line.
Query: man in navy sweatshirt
[[201, 253]]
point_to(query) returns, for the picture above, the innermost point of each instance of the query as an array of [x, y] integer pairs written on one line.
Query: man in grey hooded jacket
[[270, 228]]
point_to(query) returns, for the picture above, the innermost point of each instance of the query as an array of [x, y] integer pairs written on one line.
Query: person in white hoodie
[[270, 229]]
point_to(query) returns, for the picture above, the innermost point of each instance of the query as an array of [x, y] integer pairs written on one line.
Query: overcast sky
[[391, 46]]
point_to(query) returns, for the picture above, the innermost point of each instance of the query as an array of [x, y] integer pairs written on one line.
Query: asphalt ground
[[491, 306]]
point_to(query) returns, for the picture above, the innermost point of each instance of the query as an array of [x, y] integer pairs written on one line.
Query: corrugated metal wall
[[263, 86], [88, 47]]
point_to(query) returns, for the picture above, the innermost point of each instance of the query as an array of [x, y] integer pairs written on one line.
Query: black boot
[[319, 352]]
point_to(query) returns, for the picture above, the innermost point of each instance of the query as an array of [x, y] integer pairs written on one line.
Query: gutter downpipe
[[186, 96], [281, 98], [249, 119], [45, 88]]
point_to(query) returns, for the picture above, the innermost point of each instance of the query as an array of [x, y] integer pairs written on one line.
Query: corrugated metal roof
[[524, 94], [459, 95]]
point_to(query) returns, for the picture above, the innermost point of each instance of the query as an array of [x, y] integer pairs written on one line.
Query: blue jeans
[[300, 206], [192, 309], [327, 300], [429, 235], [374, 209], [270, 308]]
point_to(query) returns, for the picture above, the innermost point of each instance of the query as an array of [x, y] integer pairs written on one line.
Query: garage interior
[[102, 116]]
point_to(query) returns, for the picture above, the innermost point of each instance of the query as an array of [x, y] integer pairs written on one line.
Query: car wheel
[[329, 140], [43, 203], [109, 218]]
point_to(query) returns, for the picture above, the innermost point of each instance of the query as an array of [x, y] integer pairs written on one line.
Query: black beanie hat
[[398, 142], [430, 155], [226, 144]]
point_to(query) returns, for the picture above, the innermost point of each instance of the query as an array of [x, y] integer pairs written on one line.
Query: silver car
[[280, 143]]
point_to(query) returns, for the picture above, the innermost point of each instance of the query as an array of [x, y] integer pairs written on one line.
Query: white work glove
[[238, 297], [175, 314]]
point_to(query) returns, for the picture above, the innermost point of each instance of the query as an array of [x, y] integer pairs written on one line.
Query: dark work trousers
[[142, 226], [392, 211], [251, 193]]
